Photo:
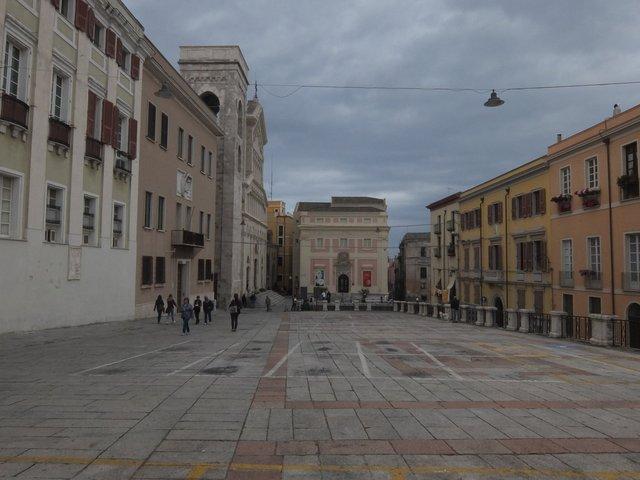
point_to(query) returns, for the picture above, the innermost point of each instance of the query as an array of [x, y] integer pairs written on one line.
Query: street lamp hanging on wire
[[494, 100]]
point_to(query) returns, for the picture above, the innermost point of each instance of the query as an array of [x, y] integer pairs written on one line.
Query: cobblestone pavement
[[325, 395]]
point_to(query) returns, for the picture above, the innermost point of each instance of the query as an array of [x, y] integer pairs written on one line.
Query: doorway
[[499, 313], [343, 283], [633, 315], [182, 282]]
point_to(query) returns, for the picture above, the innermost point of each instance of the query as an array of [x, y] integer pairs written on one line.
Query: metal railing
[[621, 332], [93, 148], [576, 327], [472, 315], [59, 132], [187, 238], [539, 323], [14, 110], [593, 280], [566, 278], [122, 165], [631, 281], [88, 221], [54, 214]]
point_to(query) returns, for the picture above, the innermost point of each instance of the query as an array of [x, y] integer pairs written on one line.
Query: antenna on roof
[[255, 94]]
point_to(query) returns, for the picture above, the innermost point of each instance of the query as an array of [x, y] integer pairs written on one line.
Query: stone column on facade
[[324, 306], [337, 302], [556, 323], [601, 330], [490, 316], [480, 315], [512, 319], [524, 320]]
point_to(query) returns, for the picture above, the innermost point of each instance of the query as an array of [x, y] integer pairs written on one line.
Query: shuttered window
[[107, 122], [147, 270], [133, 138], [160, 275], [110, 44]]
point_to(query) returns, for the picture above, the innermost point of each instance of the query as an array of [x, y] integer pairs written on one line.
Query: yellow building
[[504, 230], [281, 228]]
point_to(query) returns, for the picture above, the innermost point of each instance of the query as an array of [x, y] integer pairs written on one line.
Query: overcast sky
[[412, 148]]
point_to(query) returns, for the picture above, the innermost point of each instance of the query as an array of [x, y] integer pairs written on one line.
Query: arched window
[[212, 101], [239, 159], [240, 118]]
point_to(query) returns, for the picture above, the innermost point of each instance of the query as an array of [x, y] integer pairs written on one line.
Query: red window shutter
[[133, 137], [115, 127], [82, 10], [110, 44], [119, 53], [55, 3], [91, 114], [135, 67], [91, 24], [107, 121]]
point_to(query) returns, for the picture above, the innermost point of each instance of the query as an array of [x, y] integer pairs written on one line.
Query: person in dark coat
[[244, 300], [159, 307], [187, 313], [171, 308], [207, 308], [197, 305], [234, 310], [455, 309]]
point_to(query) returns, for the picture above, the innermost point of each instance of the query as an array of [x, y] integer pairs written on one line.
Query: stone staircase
[[277, 300]]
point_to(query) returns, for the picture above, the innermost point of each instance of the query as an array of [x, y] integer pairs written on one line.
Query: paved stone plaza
[[326, 395]]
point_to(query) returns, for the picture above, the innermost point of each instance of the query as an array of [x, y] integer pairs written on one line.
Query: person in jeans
[[187, 313], [234, 310], [267, 302], [455, 309], [197, 305], [159, 307], [207, 308], [171, 308]]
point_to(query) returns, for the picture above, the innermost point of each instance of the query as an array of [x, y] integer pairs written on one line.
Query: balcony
[[630, 186], [93, 149], [14, 111], [566, 278], [185, 238], [563, 201], [451, 250], [88, 221], [59, 132], [451, 226], [592, 279], [122, 166], [493, 275], [53, 215], [631, 281], [437, 252], [117, 226], [437, 229]]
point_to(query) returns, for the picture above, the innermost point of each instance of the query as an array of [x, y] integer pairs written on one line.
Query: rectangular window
[[366, 243], [210, 164], [203, 153], [521, 300], [201, 223], [118, 225], [147, 270], [466, 258], [180, 141], [64, 8], [593, 245], [164, 130], [632, 262], [190, 150], [539, 256], [160, 213], [201, 270], [591, 173], [423, 272], [595, 305], [494, 213], [208, 226], [208, 273], [567, 255], [160, 276], [179, 225], [476, 257], [54, 215], [343, 243], [122, 133], [319, 242], [14, 75], [98, 36], [630, 187], [280, 261], [60, 97], [538, 301], [151, 121], [565, 181], [495, 257], [280, 230], [423, 252], [89, 221], [8, 205], [148, 205]]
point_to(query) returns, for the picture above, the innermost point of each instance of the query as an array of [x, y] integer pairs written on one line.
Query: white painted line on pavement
[[363, 361], [131, 358], [281, 361], [202, 359], [450, 371]]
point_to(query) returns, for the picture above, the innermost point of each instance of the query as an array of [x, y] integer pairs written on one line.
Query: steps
[[276, 299]]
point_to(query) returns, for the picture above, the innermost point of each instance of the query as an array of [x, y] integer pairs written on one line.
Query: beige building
[[177, 185], [445, 261], [282, 236], [219, 74], [70, 105], [413, 267], [341, 246]]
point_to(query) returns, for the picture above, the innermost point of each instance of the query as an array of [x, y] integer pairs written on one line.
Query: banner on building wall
[[320, 282], [366, 278]]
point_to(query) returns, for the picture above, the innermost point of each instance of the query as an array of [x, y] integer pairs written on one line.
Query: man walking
[[267, 302], [197, 305], [207, 308], [187, 313], [455, 309]]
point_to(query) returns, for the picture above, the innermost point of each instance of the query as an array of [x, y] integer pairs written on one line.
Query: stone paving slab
[[314, 395]]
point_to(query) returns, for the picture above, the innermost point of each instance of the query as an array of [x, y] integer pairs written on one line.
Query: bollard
[[396, 305], [324, 306], [556, 324], [601, 330], [490, 316], [524, 320], [512, 319]]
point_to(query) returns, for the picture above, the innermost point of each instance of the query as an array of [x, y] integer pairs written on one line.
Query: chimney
[[616, 109], [558, 137]]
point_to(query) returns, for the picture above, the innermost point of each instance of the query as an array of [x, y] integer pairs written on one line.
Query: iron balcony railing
[[122, 164], [93, 148], [451, 226], [14, 110], [54, 214], [437, 229], [539, 323], [88, 221], [621, 332], [592, 280], [59, 132], [436, 252], [117, 226], [566, 278], [186, 238], [631, 281], [576, 327]]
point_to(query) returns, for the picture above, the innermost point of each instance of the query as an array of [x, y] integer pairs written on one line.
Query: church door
[[343, 284]]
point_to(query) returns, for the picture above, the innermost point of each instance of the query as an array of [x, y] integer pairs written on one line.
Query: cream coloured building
[[341, 246], [69, 113]]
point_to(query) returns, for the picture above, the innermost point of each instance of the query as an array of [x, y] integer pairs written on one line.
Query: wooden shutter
[[490, 218], [499, 256], [529, 256], [135, 67], [91, 114], [514, 208], [133, 137], [55, 3], [107, 122], [543, 256], [91, 24], [478, 217], [462, 221], [82, 11], [110, 44], [542, 208], [499, 220], [119, 53], [529, 204], [115, 126]]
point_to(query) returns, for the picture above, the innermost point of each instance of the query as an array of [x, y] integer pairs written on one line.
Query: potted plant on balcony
[[564, 202], [590, 197]]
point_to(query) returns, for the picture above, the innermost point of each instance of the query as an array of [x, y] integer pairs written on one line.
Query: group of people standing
[[189, 311]]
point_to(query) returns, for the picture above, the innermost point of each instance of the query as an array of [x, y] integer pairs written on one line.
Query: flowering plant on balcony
[[587, 192], [562, 198], [588, 273], [626, 180]]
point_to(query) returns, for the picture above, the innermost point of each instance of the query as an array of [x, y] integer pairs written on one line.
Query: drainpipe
[[606, 141], [481, 251], [506, 246], [443, 256]]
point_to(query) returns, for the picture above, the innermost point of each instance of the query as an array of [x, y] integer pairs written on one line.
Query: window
[[14, 76], [469, 220], [591, 173], [280, 261], [212, 101], [208, 226], [190, 150], [466, 258], [476, 257], [201, 223], [8, 206], [494, 213], [148, 205], [54, 214], [495, 257], [630, 189], [201, 270], [423, 252], [180, 141], [147, 270], [366, 243], [164, 130], [210, 164], [538, 301], [208, 273], [64, 8], [529, 204], [565, 181], [423, 272], [118, 225], [187, 219], [89, 221], [567, 255], [521, 300], [632, 267], [343, 243], [240, 119], [319, 242], [122, 133], [179, 216], [60, 97], [593, 246], [595, 305], [151, 121], [98, 36], [160, 276], [203, 153], [160, 213]]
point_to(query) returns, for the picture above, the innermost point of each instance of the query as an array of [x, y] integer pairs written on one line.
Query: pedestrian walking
[[294, 302], [171, 308], [267, 302], [244, 300], [455, 309], [329, 297], [187, 313], [207, 308], [159, 307], [197, 305], [234, 310]]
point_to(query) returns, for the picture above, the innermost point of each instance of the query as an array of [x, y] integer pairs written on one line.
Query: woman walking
[[187, 313], [197, 305], [234, 310], [159, 307], [171, 307]]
